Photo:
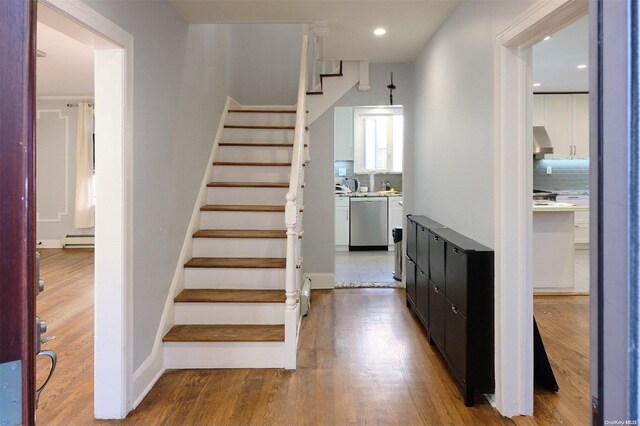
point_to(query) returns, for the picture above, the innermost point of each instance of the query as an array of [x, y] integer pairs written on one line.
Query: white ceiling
[[67, 70], [409, 23], [555, 60]]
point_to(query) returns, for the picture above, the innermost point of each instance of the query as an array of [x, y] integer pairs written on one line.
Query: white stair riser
[[256, 154], [239, 247], [246, 196], [261, 119], [258, 135], [235, 278], [224, 355], [241, 220], [229, 313], [251, 173]]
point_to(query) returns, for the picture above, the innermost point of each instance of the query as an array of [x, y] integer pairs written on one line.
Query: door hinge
[[595, 411], [11, 393]]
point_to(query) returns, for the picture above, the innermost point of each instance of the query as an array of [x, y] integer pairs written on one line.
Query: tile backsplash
[[565, 174], [375, 181]]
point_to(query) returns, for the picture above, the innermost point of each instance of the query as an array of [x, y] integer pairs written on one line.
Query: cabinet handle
[[455, 250], [454, 309], [437, 290], [436, 238]]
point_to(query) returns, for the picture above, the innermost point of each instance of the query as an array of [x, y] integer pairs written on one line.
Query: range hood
[[541, 142]]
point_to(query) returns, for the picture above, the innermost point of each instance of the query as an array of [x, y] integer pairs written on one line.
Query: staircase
[[231, 313]]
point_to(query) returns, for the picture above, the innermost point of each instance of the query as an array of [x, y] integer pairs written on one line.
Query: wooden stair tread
[[272, 111], [225, 333], [239, 233], [249, 184], [230, 296], [237, 262], [241, 208], [245, 126], [249, 144], [245, 163]]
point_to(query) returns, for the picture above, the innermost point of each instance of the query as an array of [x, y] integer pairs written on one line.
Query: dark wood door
[[422, 296], [17, 197], [422, 249], [456, 341], [411, 281], [437, 312], [411, 239], [456, 273], [436, 260]]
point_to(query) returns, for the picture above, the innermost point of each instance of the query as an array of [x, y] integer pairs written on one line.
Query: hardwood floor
[[363, 358], [67, 306]]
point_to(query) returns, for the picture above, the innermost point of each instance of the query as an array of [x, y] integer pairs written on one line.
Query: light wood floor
[[363, 359]]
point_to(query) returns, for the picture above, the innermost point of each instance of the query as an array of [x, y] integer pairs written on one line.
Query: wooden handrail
[[292, 215]]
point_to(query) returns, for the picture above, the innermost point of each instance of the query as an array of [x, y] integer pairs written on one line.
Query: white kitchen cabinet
[[566, 119], [581, 218], [342, 223], [557, 122], [394, 215], [580, 125], [538, 110]]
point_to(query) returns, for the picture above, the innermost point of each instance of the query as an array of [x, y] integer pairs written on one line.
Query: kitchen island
[[554, 246]]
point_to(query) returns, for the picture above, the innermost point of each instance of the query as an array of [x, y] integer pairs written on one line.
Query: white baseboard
[[48, 244], [147, 375], [321, 281]]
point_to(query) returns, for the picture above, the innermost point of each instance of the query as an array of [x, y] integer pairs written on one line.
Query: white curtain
[[85, 209]]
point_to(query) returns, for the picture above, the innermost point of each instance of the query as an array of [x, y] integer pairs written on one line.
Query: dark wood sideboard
[[450, 287]]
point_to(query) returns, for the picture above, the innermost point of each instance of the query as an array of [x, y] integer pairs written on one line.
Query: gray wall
[[319, 216], [179, 94], [616, 252], [264, 63], [453, 149], [56, 127]]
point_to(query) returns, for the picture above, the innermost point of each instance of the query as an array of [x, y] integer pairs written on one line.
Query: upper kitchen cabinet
[[343, 134], [580, 125], [566, 119], [557, 122]]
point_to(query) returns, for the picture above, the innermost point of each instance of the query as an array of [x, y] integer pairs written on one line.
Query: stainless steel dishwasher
[[368, 223]]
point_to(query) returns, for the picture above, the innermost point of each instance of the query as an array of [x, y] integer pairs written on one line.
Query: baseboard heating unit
[[78, 241]]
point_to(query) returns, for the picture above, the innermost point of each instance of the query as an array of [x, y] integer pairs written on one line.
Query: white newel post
[[291, 304]]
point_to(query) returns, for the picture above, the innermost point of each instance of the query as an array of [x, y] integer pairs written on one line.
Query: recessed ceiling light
[[547, 38], [380, 31], [581, 66], [537, 84]]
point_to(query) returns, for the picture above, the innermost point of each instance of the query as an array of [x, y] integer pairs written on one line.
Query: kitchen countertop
[[552, 206], [368, 194]]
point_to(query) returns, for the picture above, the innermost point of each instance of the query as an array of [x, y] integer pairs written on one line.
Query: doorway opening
[[514, 218], [368, 150], [108, 173]]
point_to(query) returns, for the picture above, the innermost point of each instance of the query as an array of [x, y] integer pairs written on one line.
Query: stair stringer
[[154, 366], [332, 90]]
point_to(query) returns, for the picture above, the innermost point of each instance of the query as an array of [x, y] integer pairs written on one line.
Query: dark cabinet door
[[411, 240], [438, 306], [456, 273], [422, 249], [456, 341], [411, 280], [422, 296], [436, 260]]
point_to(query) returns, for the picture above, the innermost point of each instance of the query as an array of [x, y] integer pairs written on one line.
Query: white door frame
[[513, 185], [113, 255]]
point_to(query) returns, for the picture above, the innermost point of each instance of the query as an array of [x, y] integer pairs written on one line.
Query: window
[[378, 140]]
